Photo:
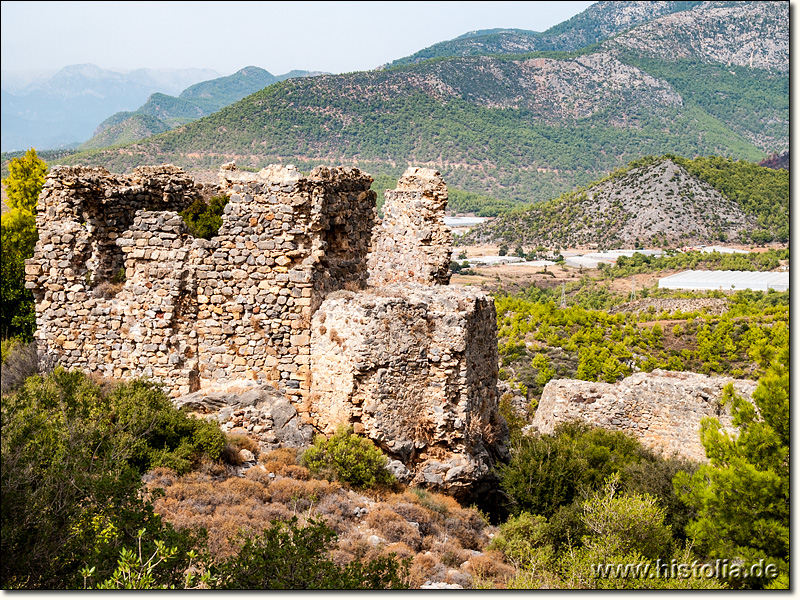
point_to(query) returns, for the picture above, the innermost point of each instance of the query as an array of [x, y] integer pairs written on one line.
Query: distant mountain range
[[683, 78], [162, 112], [63, 109]]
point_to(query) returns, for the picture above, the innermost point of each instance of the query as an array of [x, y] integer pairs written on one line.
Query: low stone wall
[[663, 408]]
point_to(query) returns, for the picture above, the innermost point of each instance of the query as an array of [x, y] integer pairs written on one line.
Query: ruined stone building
[[303, 291]]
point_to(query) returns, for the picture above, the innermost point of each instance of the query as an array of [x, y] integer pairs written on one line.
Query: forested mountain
[[518, 127], [667, 201], [596, 23], [162, 112]]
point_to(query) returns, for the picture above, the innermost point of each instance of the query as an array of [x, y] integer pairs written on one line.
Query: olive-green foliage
[[24, 183], [348, 458], [549, 474], [704, 261], [624, 529], [524, 541], [608, 527], [547, 471], [73, 454], [204, 220], [742, 497], [289, 557], [592, 344]]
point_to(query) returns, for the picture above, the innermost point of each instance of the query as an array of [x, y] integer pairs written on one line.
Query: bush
[[348, 458], [289, 557], [20, 361], [550, 470], [204, 220], [72, 460]]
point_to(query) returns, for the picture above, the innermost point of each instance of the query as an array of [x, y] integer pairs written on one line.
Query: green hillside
[[488, 124], [216, 93], [167, 112], [129, 129]]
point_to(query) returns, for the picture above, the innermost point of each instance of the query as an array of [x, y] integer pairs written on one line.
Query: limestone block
[[416, 368], [663, 408]]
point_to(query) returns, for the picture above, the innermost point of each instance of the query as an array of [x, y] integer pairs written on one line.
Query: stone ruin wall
[[663, 409], [412, 243], [301, 290], [192, 310]]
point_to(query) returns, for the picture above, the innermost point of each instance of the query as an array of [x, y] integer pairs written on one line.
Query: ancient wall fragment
[[663, 408], [96, 231], [285, 305], [414, 368], [124, 290], [412, 243]]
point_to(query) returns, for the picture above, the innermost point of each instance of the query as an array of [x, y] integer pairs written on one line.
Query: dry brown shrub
[[438, 503], [450, 554], [222, 536], [290, 491], [248, 488], [243, 442], [212, 471], [394, 528], [337, 511], [467, 526], [416, 514], [160, 477], [294, 471], [400, 550], [458, 578], [422, 569], [428, 542], [356, 545], [278, 458], [340, 557], [490, 566], [258, 475], [230, 455]]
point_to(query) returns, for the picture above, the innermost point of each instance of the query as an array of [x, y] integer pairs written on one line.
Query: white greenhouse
[[727, 280]]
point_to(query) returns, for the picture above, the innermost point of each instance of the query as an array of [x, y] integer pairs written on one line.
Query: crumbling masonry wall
[[411, 362], [190, 310], [663, 409], [412, 243]]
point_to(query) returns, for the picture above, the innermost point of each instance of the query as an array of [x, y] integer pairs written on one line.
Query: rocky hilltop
[[747, 34], [658, 203], [598, 22]]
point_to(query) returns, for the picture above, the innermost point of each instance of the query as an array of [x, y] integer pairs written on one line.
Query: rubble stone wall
[[663, 408], [190, 311], [412, 368], [412, 243]]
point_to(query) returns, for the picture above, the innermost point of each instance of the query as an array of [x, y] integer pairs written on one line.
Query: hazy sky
[[337, 37]]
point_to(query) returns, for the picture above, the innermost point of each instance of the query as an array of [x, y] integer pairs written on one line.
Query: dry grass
[[437, 534]]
